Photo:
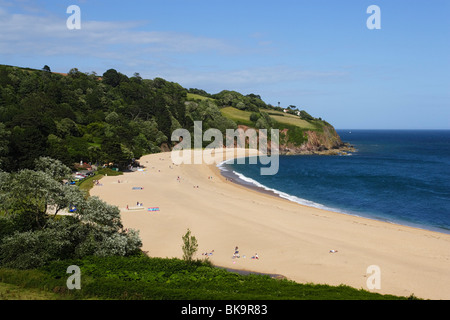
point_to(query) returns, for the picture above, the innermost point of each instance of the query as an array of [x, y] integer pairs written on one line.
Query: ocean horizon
[[395, 176]]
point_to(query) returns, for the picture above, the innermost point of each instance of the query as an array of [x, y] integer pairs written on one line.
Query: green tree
[[254, 116], [113, 78], [26, 145], [26, 250], [189, 247], [117, 153], [52, 167], [4, 141], [32, 197], [67, 127], [305, 115], [57, 149], [31, 235]]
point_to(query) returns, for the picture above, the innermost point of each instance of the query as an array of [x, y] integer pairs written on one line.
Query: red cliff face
[[328, 139], [326, 142]]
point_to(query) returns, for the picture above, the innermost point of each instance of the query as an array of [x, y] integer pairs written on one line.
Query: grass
[[14, 292], [95, 144], [276, 112], [238, 116], [144, 278], [295, 121], [194, 96], [296, 126], [88, 183], [291, 119], [243, 117]]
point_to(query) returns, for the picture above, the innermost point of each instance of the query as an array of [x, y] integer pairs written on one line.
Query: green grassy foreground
[[14, 292], [144, 278]]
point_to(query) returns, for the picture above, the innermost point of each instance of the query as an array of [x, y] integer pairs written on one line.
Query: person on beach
[[236, 253], [208, 254]]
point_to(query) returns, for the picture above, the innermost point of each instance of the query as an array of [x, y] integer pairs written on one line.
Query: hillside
[[297, 135], [114, 118]]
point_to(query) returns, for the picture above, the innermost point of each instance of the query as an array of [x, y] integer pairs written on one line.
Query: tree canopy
[[31, 231], [84, 117]]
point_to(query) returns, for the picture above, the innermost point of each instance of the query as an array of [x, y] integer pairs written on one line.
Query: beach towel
[[153, 209], [135, 208]]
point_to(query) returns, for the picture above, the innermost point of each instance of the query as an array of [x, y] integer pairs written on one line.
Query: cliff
[[323, 142]]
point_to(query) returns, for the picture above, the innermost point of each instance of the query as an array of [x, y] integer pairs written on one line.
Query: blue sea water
[[398, 176]]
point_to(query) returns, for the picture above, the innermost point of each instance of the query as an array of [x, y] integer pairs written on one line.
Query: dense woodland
[[110, 118]]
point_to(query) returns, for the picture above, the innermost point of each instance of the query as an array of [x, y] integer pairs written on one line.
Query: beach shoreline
[[291, 239]]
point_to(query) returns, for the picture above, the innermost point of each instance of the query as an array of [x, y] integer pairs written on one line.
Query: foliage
[[4, 136], [29, 193], [31, 249], [251, 102], [53, 168], [199, 92], [241, 117], [113, 118], [13, 292], [264, 121], [305, 115], [254, 116], [144, 278], [189, 247], [197, 97], [32, 234]]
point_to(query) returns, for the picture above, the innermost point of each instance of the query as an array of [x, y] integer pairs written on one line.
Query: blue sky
[[317, 55]]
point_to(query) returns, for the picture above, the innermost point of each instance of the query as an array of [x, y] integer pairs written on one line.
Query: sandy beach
[[290, 239]]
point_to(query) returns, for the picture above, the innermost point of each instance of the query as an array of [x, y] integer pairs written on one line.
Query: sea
[[396, 176]]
